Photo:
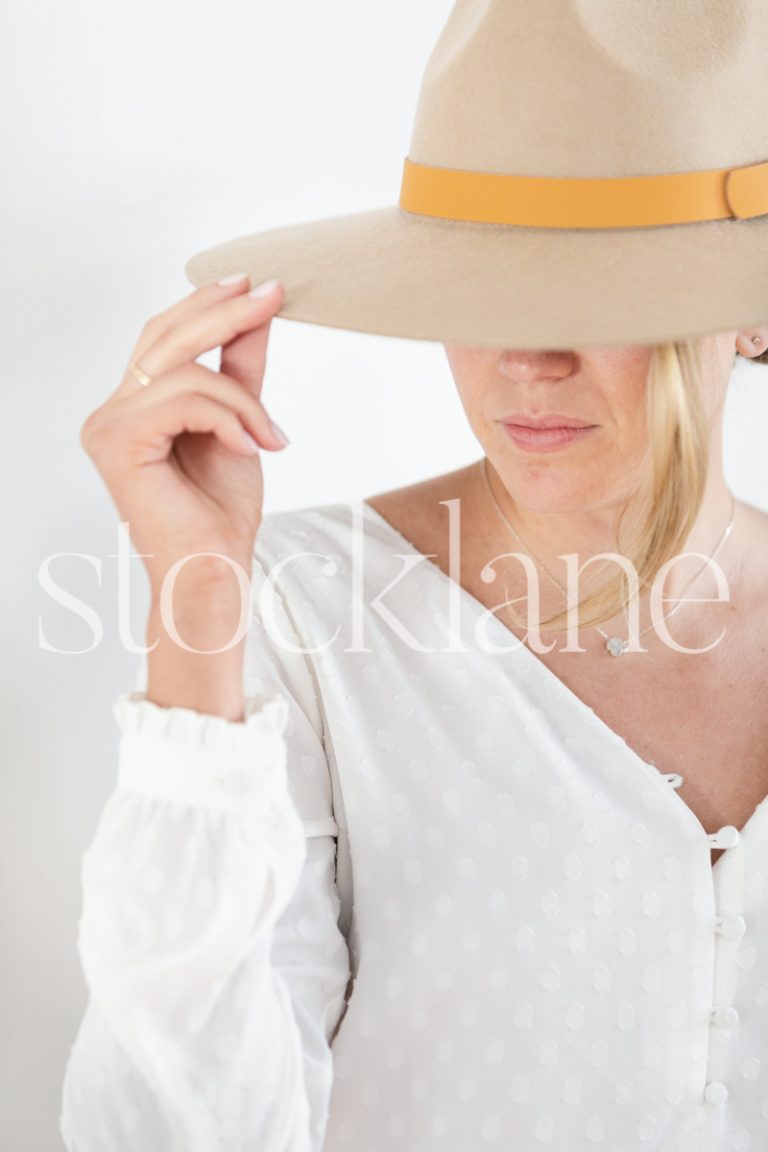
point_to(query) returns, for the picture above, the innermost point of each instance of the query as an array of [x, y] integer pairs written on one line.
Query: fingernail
[[279, 433], [249, 442], [264, 289], [233, 279]]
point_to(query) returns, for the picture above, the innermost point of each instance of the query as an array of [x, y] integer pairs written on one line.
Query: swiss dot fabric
[[421, 900]]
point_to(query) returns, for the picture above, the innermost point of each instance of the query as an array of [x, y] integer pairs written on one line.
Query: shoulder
[[302, 541], [293, 531], [750, 541], [418, 511], [756, 519], [752, 525]]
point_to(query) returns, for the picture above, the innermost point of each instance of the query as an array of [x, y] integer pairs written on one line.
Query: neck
[[549, 535]]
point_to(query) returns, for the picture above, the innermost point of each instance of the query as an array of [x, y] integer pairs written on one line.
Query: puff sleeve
[[209, 936]]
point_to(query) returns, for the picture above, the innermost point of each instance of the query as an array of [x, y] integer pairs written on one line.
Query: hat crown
[[585, 88]]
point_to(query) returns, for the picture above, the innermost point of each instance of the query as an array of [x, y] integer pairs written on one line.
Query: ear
[[753, 342]]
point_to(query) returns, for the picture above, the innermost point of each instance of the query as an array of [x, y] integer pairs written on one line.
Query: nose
[[518, 364]]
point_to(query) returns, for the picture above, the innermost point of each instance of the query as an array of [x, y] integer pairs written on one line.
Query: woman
[[218, 952], [385, 872], [576, 490]]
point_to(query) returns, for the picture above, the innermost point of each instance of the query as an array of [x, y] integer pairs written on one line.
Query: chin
[[547, 488]]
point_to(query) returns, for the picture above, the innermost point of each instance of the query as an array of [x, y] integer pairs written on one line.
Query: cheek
[[637, 424], [629, 409], [628, 443], [468, 379], [469, 365]]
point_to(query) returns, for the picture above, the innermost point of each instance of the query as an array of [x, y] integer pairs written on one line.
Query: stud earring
[[757, 339]]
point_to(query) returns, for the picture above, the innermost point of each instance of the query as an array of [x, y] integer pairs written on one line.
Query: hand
[[173, 454]]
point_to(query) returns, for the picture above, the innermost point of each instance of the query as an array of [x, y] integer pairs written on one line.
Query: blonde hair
[[662, 509]]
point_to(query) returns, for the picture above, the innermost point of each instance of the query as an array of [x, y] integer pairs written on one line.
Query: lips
[[555, 420], [545, 439]]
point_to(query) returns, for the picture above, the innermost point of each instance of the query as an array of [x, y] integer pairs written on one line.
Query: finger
[[205, 329], [147, 436], [206, 381], [185, 308], [202, 414]]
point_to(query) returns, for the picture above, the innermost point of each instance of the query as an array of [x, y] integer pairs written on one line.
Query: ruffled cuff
[[200, 759]]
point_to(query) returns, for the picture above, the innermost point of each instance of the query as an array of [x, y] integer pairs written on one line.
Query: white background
[[133, 136]]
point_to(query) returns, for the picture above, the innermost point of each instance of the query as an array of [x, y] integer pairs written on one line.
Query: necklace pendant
[[616, 646]]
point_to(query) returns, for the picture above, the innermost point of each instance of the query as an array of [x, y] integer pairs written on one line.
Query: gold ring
[[140, 374]]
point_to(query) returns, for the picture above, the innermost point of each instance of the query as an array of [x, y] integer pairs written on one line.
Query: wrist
[[219, 590], [205, 623], [195, 659]]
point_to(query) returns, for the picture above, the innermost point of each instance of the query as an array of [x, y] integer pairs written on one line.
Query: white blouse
[[421, 900]]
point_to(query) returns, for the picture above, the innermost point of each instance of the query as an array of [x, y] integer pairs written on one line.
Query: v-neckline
[[476, 607]]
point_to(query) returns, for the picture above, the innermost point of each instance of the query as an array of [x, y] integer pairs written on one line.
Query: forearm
[[204, 680], [183, 885]]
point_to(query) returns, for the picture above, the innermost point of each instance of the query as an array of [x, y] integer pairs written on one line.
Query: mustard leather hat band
[[602, 202]]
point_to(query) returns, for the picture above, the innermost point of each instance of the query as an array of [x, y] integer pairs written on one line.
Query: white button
[[726, 837], [673, 778], [716, 1092], [725, 1016], [732, 927]]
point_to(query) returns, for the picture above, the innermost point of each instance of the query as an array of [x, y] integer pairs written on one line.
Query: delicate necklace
[[614, 644]]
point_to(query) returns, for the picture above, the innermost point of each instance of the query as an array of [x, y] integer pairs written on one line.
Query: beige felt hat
[[580, 172]]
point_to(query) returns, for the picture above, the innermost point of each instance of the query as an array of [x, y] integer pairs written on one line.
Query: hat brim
[[392, 273]]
